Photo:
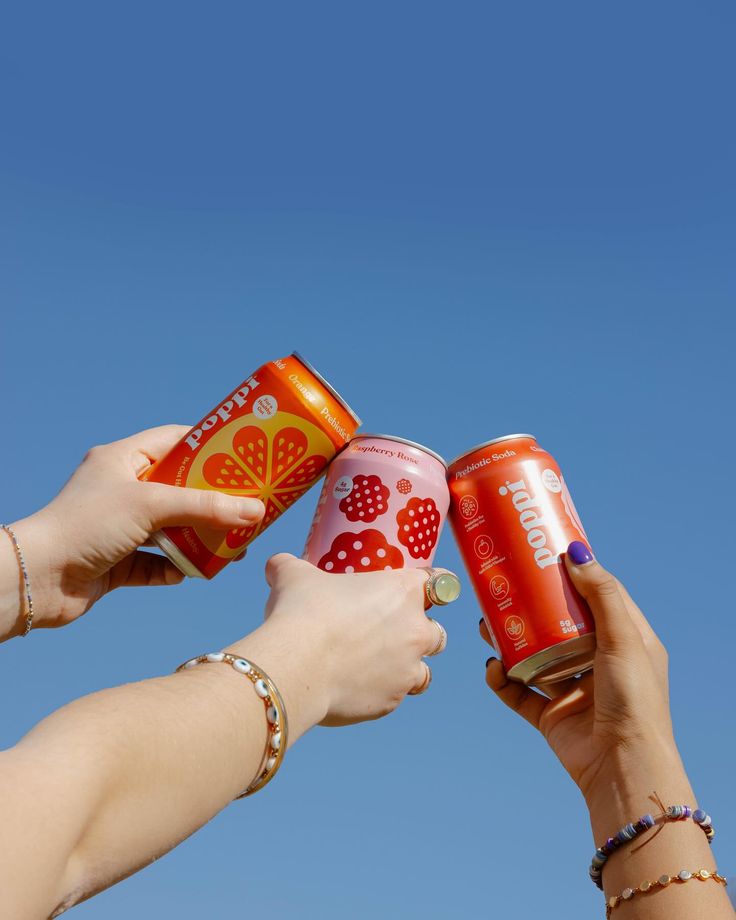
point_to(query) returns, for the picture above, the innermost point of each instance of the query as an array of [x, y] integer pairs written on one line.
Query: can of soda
[[382, 506], [271, 438], [512, 515]]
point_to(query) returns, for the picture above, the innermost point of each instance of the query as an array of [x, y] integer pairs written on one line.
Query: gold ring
[[441, 641], [424, 686], [442, 588]]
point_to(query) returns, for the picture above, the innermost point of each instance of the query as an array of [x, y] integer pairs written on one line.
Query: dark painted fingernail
[[480, 621], [579, 552], [490, 660]]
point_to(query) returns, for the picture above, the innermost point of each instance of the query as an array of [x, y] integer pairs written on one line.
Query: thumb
[[166, 506], [282, 565], [615, 630]]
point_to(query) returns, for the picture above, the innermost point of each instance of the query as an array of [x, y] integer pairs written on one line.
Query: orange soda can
[[512, 515], [271, 438]]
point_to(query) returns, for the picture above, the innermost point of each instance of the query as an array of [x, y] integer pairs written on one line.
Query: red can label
[[271, 438], [512, 515]]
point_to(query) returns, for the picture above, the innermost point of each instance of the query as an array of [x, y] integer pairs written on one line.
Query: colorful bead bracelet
[[629, 831], [684, 875], [277, 724]]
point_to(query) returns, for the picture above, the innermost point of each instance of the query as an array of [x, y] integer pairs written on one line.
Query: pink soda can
[[383, 505]]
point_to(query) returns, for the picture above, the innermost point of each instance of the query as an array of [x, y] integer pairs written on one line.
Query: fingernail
[[489, 660], [249, 508], [579, 553], [480, 622]]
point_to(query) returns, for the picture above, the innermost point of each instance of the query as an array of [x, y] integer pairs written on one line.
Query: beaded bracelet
[[26, 579], [278, 727], [684, 875], [629, 831]]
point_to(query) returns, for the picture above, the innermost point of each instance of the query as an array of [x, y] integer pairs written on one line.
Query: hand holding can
[[513, 517]]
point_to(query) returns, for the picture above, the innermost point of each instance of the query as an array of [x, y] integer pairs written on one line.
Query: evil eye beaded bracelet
[[266, 690], [629, 831]]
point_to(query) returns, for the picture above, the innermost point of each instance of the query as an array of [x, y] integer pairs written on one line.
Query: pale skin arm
[[87, 541], [138, 768], [612, 732]]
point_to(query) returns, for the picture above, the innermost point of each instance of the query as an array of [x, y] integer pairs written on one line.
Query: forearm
[[623, 795], [130, 772]]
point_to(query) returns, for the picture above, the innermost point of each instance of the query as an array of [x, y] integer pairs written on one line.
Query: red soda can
[[271, 438], [512, 515], [382, 506]]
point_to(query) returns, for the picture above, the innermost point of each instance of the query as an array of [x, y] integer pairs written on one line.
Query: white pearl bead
[[240, 664], [272, 715], [191, 663], [270, 764], [276, 740], [216, 656], [261, 688]]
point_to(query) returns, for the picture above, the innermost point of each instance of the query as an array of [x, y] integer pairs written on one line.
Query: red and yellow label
[[272, 439]]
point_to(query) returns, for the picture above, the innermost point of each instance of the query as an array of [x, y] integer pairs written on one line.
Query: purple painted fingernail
[[579, 552]]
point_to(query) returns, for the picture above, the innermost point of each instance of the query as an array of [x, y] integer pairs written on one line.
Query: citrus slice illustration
[[275, 459]]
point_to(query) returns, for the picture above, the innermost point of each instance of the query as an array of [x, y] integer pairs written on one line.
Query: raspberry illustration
[[368, 498], [419, 524], [404, 486], [367, 551]]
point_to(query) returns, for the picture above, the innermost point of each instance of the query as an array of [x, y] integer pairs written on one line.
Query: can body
[[512, 516], [271, 438], [382, 506]]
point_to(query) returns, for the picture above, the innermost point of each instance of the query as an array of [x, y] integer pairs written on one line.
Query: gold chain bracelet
[[684, 875]]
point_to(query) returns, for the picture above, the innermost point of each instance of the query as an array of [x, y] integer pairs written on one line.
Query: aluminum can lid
[[393, 437], [472, 450], [327, 386]]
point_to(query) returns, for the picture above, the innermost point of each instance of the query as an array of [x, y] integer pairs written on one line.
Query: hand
[[86, 541], [367, 634], [620, 710]]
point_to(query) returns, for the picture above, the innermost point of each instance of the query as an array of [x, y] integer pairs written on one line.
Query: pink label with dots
[[383, 505]]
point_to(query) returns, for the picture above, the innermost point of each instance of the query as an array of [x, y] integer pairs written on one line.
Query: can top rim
[[328, 386], [393, 437], [472, 450]]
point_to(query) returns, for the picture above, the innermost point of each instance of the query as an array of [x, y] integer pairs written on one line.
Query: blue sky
[[474, 219]]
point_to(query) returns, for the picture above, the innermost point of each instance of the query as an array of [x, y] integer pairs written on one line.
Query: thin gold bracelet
[[684, 875], [276, 720], [24, 573]]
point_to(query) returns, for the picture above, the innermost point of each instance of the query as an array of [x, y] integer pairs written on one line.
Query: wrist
[[623, 788], [40, 546], [640, 781], [295, 665], [36, 544]]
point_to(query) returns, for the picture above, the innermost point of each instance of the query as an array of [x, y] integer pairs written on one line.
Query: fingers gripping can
[[512, 515], [271, 438], [382, 506]]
